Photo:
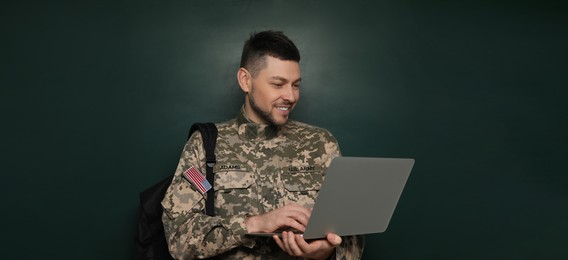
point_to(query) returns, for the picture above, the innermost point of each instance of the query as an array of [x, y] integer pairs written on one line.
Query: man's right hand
[[290, 216]]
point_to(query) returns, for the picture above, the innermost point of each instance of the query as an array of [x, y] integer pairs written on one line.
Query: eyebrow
[[284, 79]]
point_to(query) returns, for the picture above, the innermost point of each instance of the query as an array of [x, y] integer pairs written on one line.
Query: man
[[268, 172]]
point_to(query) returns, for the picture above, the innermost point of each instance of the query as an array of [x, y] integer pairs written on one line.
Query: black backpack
[[150, 238]]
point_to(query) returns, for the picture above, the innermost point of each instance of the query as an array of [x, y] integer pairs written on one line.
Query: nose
[[290, 94]]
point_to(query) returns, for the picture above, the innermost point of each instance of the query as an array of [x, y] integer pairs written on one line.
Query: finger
[[293, 245], [312, 246], [293, 216], [303, 244], [286, 242], [279, 242], [334, 239], [293, 223], [295, 205], [301, 216], [298, 208]]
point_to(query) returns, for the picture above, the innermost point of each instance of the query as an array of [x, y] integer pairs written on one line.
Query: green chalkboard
[[96, 99]]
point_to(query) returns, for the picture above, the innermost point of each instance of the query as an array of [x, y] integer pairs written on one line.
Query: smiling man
[[273, 92], [268, 173]]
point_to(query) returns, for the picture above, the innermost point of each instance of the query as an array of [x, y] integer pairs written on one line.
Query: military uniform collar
[[251, 131]]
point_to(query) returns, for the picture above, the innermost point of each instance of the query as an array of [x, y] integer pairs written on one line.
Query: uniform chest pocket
[[233, 192], [301, 187]]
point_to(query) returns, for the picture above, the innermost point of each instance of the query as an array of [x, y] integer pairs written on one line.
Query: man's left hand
[[295, 245]]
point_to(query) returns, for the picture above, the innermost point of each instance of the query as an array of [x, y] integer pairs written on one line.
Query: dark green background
[[97, 97]]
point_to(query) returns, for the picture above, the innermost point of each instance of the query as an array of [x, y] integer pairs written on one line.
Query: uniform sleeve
[[191, 233], [351, 247]]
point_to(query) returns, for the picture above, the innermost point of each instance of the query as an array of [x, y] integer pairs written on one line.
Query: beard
[[264, 115]]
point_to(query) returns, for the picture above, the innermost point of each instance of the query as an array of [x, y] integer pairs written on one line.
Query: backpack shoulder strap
[[209, 136]]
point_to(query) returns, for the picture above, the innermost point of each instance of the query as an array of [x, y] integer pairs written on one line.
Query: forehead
[[276, 68]]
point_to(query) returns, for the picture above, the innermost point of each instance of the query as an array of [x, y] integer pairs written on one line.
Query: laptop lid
[[358, 196]]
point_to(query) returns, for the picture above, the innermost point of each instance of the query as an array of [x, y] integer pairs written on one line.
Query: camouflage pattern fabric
[[259, 168]]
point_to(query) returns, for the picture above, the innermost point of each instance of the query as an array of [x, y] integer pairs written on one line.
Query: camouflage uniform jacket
[[259, 168]]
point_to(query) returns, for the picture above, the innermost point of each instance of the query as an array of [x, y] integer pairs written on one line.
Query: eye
[[277, 85], [296, 86]]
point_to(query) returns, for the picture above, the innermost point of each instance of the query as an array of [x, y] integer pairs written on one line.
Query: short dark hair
[[271, 43]]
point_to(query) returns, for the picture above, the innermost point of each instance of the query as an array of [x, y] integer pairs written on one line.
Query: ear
[[245, 79]]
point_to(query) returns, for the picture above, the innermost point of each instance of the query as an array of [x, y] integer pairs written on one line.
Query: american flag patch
[[196, 178]]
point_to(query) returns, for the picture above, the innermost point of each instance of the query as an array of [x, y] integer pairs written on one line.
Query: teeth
[[283, 108]]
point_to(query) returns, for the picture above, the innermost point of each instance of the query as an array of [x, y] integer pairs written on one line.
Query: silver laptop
[[358, 196]]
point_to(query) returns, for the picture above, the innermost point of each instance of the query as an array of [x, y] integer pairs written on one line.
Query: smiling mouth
[[283, 108]]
